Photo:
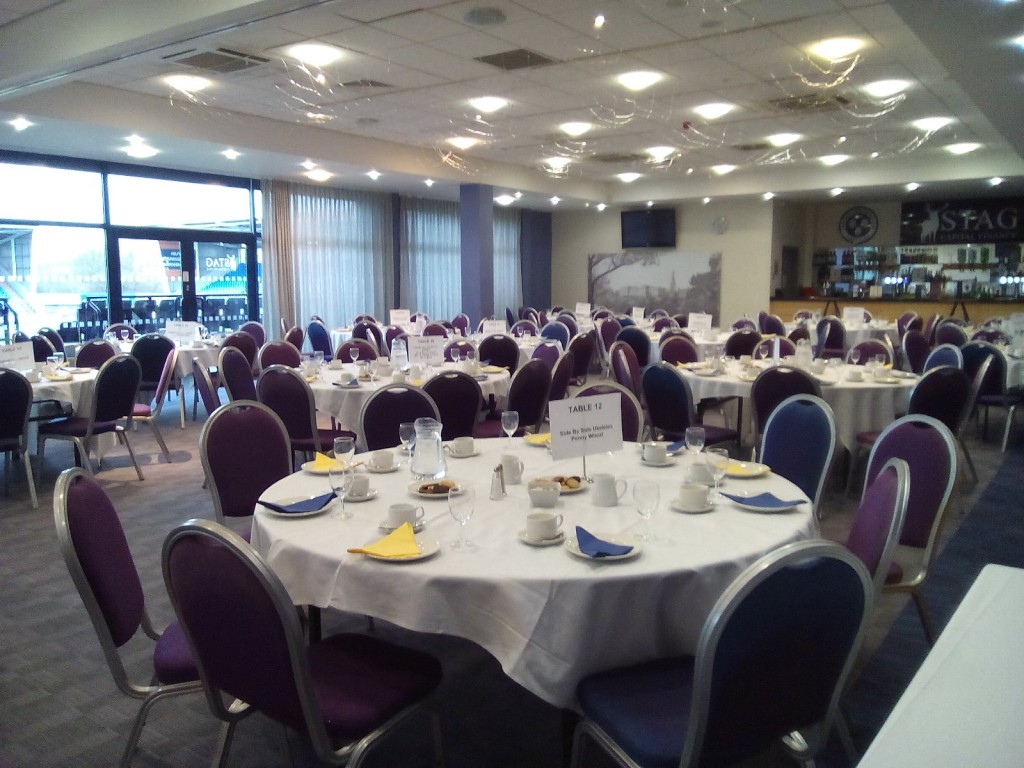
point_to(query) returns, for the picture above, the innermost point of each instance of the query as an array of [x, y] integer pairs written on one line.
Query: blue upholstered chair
[[944, 354], [320, 339], [556, 331], [803, 460], [670, 408]]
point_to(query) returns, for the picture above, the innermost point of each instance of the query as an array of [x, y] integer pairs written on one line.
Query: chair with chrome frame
[[561, 376], [569, 321], [457, 349], [548, 352], [320, 339], [556, 331], [679, 349], [94, 353], [582, 346], [121, 329], [295, 336], [365, 348], [609, 330], [369, 330], [499, 349], [461, 324], [53, 337], [992, 391], [527, 395], [236, 374], [344, 693], [742, 342], [99, 560], [41, 348], [243, 427], [736, 699], [765, 349], [459, 402], [903, 322], [772, 324], [279, 353], [638, 339], [663, 324], [626, 368], [944, 354], [634, 422], [670, 408], [950, 332], [148, 413], [876, 529], [15, 409], [915, 350], [831, 337], [743, 323], [248, 346], [805, 461], [434, 329], [205, 389], [523, 328], [868, 350], [114, 394], [256, 330], [389, 407]]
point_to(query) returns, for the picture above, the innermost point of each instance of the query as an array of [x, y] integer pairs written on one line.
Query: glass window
[[36, 193], [142, 202], [221, 283]]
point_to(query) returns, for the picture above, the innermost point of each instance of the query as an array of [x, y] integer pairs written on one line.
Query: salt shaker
[[498, 483]]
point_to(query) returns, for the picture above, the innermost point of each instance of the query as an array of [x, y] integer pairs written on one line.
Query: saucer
[[674, 504], [386, 527], [454, 455], [381, 470], [350, 499], [523, 537], [669, 461]]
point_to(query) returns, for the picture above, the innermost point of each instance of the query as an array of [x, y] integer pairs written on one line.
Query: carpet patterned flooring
[[59, 707]]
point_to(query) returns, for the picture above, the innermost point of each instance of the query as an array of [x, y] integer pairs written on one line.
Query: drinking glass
[[645, 498], [854, 355], [509, 423], [344, 449], [694, 439], [407, 434], [61, 358], [340, 479], [717, 460], [353, 353], [318, 357], [461, 501]]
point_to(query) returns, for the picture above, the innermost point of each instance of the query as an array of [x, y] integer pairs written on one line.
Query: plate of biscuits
[[567, 483], [432, 489]]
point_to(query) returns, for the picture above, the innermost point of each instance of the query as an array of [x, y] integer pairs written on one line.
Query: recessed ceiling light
[[555, 200], [628, 178], [557, 163], [639, 80], [883, 89], [504, 199], [932, 123], [231, 154], [601, 206], [518, 195], [995, 181], [319, 117], [962, 148], [873, 155], [1019, 41], [138, 148], [831, 160], [836, 191], [373, 174], [650, 203], [660, 154], [319, 174], [714, 110], [488, 104], [187, 83], [912, 186], [462, 142], [309, 165], [20, 123], [429, 182], [723, 169], [836, 48], [575, 128], [767, 195], [315, 54], [706, 200], [599, 21], [784, 139]]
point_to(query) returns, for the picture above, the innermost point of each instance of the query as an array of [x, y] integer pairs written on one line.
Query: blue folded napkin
[[592, 546], [305, 505], [764, 500], [677, 446]]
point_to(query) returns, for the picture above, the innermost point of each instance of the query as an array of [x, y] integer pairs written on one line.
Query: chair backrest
[[800, 333], [236, 373], [151, 351], [15, 409], [663, 324], [600, 313], [116, 389], [991, 335], [928, 446], [766, 348], [434, 329], [41, 348], [284, 391], [461, 323], [244, 342], [679, 349], [528, 393], [632, 413], [802, 315], [118, 328], [582, 346], [166, 377], [204, 385], [390, 406], [626, 368], [868, 350], [669, 333], [876, 528], [561, 375], [903, 322], [930, 327], [823, 330], [744, 323], [295, 336], [244, 449], [523, 328], [773, 324], [279, 353], [807, 604], [369, 330], [669, 400], [569, 321], [975, 353], [657, 313], [944, 394], [547, 352], [742, 342], [454, 350], [773, 385], [915, 350], [950, 333], [94, 353], [501, 350], [944, 354], [53, 337], [256, 330], [367, 350], [459, 401], [798, 442], [609, 330], [510, 317], [319, 339], [557, 331], [637, 338]]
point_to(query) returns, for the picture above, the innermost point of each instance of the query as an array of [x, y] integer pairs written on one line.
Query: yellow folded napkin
[[323, 463], [543, 438], [400, 543]]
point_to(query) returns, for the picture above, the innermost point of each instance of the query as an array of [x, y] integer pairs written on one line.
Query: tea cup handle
[[620, 493], [558, 521], [419, 513]]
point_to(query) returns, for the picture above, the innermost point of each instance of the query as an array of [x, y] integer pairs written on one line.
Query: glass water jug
[[428, 462]]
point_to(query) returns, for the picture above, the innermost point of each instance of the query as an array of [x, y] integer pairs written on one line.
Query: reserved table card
[[490, 327], [582, 310], [426, 350], [699, 324], [853, 315], [585, 425], [182, 331], [18, 356]]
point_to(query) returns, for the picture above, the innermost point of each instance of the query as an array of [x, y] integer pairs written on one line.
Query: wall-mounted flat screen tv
[[649, 228]]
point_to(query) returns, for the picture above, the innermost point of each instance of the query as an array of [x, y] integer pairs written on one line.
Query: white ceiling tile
[[420, 26]]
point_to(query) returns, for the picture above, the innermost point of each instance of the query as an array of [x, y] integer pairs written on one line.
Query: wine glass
[[694, 439], [717, 460], [645, 498], [344, 450], [854, 355], [407, 434], [509, 423], [340, 479], [353, 353], [461, 500]]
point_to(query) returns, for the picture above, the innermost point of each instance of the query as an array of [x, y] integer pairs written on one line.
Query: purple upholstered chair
[[992, 336], [867, 350], [501, 350], [344, 693], [256, 330], [805, 461], [461, 324], [97, 556], [800, 333], [633, 420], [279, 353], [638, 339], [148, 413], [119, 329], [53, 337], [41, 348], [459, 402], [248, 346], [206, 389], [389, 407], [569, 320], [434, 329], [236, 374], [609, 331], [744, 323], [528, 395], [664, 323], [773, 385], [915, 350], [679, 349], [582, 347], [876, 528], [802, 315], [904, 321], [94, 353], [15, 409], [992, 389], [950, 332], [284, 390], [523, 328], [626, 368], [773, 324], [548, 352], [669, 333], [114, 395], [456, 350], [561, 376], [670, 408], [244, 449], [556, 331], [295, 336], [766, 348], [369, 330], [723, 705], [367, 350], [657, 314], [742, 342], [930, 327], [831, 337]]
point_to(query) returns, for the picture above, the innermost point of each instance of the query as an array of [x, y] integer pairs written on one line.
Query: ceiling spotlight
[[429, 182], [706, 200], [518, 195], [784, 139], [309, 165], [912, 186], [836, 191], [575, 128], [650, 203], [836, 48], [315, 54], [932, 123], [373, 174], [462, 142], [873, 155], [20, 123], [628, 178], [1019, 41], [187, 83], [139, 149], [638, 81], [319, 117], [601, 206], [995, 181], [231, 154], [557, 163], [599, 21], [318, 174], [488, 104], [723, 169], [504, 199], [962, 148], [831, 160], [883, 89], [660, 154], [714, 110], [555, 200], [767, 196]]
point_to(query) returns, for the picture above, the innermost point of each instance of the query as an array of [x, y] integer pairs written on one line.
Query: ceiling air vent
[[811, 102], [754, 146], [365, 83], [220, 61], [620, 157], [520, 58]]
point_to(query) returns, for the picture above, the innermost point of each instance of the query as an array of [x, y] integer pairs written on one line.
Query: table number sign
[[400, 317], [638, 313], [853, 316], [582, 309], [183, 332], [426, 350], [493, 326], [585, 425], [18, 356], [699, 324]]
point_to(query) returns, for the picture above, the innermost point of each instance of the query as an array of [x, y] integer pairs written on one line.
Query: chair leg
[[220, 757], [181, 403], [31, 480], [82, 452], [926, 616], [1009, 422], [160, 439], [131, 453], [968, 459]]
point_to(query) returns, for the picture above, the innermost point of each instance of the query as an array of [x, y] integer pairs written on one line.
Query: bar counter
[[976, 311]]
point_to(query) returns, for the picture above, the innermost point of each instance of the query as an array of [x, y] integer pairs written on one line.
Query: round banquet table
[[548, 616]]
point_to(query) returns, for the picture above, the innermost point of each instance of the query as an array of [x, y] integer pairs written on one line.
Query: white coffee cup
[[513, 469], [655, 453], [544, 493], [853, 373], [463, 446], [606, 490], [398, 377], [694, 497], [382, 459], [818, 366], [399, 514], [360, 486], [541, 526], [337, 364], [346, 377]]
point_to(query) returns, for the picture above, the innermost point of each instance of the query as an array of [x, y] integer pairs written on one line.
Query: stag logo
[[931, 225]]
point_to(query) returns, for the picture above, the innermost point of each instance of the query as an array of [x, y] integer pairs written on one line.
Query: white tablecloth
[[208, 354], [963, 706], [549, 617]]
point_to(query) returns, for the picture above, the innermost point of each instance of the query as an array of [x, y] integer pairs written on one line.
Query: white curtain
[[431, 257], [327, 252], [508, 272]]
